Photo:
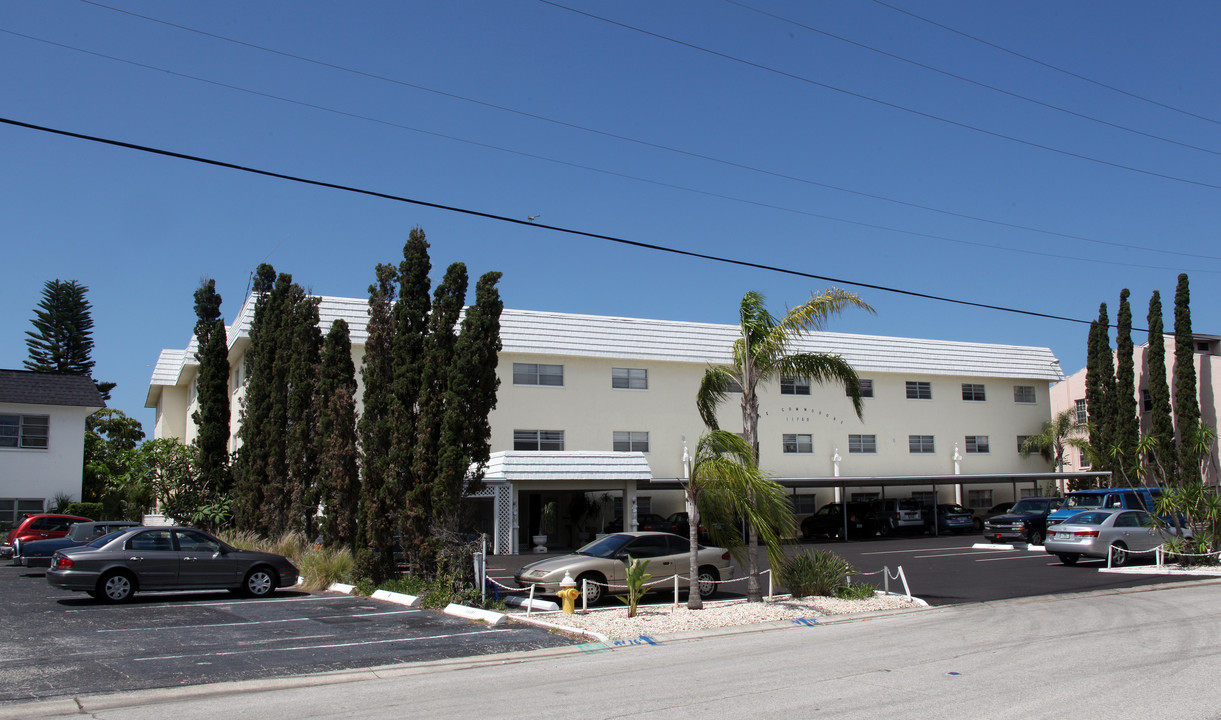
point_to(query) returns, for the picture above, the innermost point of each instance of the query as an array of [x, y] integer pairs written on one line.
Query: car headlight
[[538, 573]]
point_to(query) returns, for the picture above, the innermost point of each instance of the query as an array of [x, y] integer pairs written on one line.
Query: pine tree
[[381, 496], [1100, 390], [212, 390], [1186, 399], [338, 460], [1166, 454], [1127, 419], [62, 339]]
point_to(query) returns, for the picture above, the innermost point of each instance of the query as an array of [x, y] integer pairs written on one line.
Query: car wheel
[[1119, 554], [708, 582], [596, 588], [807, 531], [259, 582], [1068, 558], [115, 587], [979, 524], [1035, 537], [885, 530]]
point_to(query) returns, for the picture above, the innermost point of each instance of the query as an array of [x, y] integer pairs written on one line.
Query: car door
[[152, 557], [653, 548], [202, 562], [1136, 537]]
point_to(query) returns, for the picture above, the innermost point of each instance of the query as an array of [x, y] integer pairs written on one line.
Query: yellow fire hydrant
[[569, 593]]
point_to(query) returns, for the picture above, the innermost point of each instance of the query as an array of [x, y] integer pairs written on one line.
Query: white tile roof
[[510, 466], [566, 334]]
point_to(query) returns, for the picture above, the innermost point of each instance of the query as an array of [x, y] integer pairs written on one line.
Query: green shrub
[[814, 572], [859, 591], [325, 567], [92, 510]]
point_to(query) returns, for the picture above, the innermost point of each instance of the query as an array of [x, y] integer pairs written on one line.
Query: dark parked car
[[829, 521], [42, 526], [898, 515], [998, 509], [951, 518], [37, 553], [1025, 522], [114, 567]]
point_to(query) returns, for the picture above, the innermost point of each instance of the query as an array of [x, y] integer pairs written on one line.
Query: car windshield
[[1084, 501], [605, 547], [1030, 506], [955, 509], [106, 538]]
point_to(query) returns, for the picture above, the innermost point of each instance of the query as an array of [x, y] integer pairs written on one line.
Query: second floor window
[[973, 392], [24, 431], [794, 443], [1023, 394], [538, 439], [538, 374], [794, 386], [630, 378], [1082, 412], [977, 443], [631, 441], [917, 444], [866, 388], [862, 444], [919, 390]]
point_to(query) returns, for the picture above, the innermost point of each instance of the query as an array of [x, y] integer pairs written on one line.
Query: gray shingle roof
[[569, 465], [36, 388]]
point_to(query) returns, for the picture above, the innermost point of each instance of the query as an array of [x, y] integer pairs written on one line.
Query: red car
[[39, 527]]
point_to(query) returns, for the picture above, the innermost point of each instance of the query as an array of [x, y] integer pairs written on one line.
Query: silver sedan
[[1099, 533]]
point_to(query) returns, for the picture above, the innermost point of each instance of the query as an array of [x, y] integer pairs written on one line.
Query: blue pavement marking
[[808, 622]]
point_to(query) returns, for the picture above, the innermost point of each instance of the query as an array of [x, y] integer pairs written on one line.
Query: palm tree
[[722, 477], [763, 353], [1053, 438]]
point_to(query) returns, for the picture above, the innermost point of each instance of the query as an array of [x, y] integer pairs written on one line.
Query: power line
[[603, 133], [1048, 65], [879, 101], [976, 83], [528, 223], [636, 178]]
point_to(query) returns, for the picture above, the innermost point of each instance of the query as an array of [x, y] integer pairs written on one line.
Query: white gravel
[[653, 620]]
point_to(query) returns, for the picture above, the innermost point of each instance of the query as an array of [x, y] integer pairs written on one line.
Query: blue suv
[[1138, 498]]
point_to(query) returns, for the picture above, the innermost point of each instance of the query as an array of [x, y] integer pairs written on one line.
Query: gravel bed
[[654, 620]]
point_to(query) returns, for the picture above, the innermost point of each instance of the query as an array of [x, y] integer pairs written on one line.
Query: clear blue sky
[[786, 140]]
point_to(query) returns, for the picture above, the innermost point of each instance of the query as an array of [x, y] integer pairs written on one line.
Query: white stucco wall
[[27, 473]]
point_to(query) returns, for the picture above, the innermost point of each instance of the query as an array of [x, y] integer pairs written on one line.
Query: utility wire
[[976, 83], [529, 223], [607, 134], [635, 178], [879, 101], [1048, 65]]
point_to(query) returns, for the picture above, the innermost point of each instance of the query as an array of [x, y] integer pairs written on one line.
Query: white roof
[[511, 466], [532, 332]]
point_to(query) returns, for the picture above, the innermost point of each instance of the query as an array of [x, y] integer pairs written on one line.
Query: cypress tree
[[1186, 399], [1100, 390], [304, 351], [434, 385], [212, 390], [62, 339], [1161, 425], [471, 396], [1127, 419], [381, 498], [338, 459]]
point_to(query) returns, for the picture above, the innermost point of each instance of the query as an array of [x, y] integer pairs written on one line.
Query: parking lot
[[55, 643]]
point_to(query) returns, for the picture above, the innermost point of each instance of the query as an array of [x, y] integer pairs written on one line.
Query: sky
[[1037, 156]]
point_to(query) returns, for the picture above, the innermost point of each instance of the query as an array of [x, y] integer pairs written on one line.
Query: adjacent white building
[[594, 408], [42, 438]]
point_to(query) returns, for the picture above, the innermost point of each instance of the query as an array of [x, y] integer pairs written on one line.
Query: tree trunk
[[694, 601]]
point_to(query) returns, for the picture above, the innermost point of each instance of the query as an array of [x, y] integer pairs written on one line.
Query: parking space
[[56, 643]]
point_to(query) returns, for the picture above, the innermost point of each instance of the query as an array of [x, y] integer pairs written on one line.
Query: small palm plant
[[637, 576]]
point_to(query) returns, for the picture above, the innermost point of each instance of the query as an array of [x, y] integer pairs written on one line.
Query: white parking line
[[902, 552], [314, 647], [257, 622], [258, 601]]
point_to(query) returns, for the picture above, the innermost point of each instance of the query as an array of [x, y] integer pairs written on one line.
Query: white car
[[1099, 533]]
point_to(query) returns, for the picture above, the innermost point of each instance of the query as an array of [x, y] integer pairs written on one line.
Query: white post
[[689, 589], [584, 594], [770, 586], [530, 604]]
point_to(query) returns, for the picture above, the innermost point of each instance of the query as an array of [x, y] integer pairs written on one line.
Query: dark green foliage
[[62, 339], [212, 388], [304, 358], [1127, 418], [91, 510], [381, 497], [111, 439], [1186, 400], [1100, 391], [338, 461], [1165, 452], [814, 572], [253, 462]]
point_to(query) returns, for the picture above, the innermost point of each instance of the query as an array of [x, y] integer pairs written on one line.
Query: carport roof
[[514, 466], [908, 480]]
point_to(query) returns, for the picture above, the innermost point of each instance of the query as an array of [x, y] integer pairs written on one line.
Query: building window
[[925, 498], [1146, 400], [920, 444], [973, 392], [862, 444], [1023, 394], [24, 431], [1082, 412], [794, 386], [1022, 441], [1024, 493], [979, 498], [630, 378], [538, 374], [538, 439], [794, 443], [1083, 461], [805, 504], [977, 443], [919, 390], [1203, 346], [866, 388], [631, 441]]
